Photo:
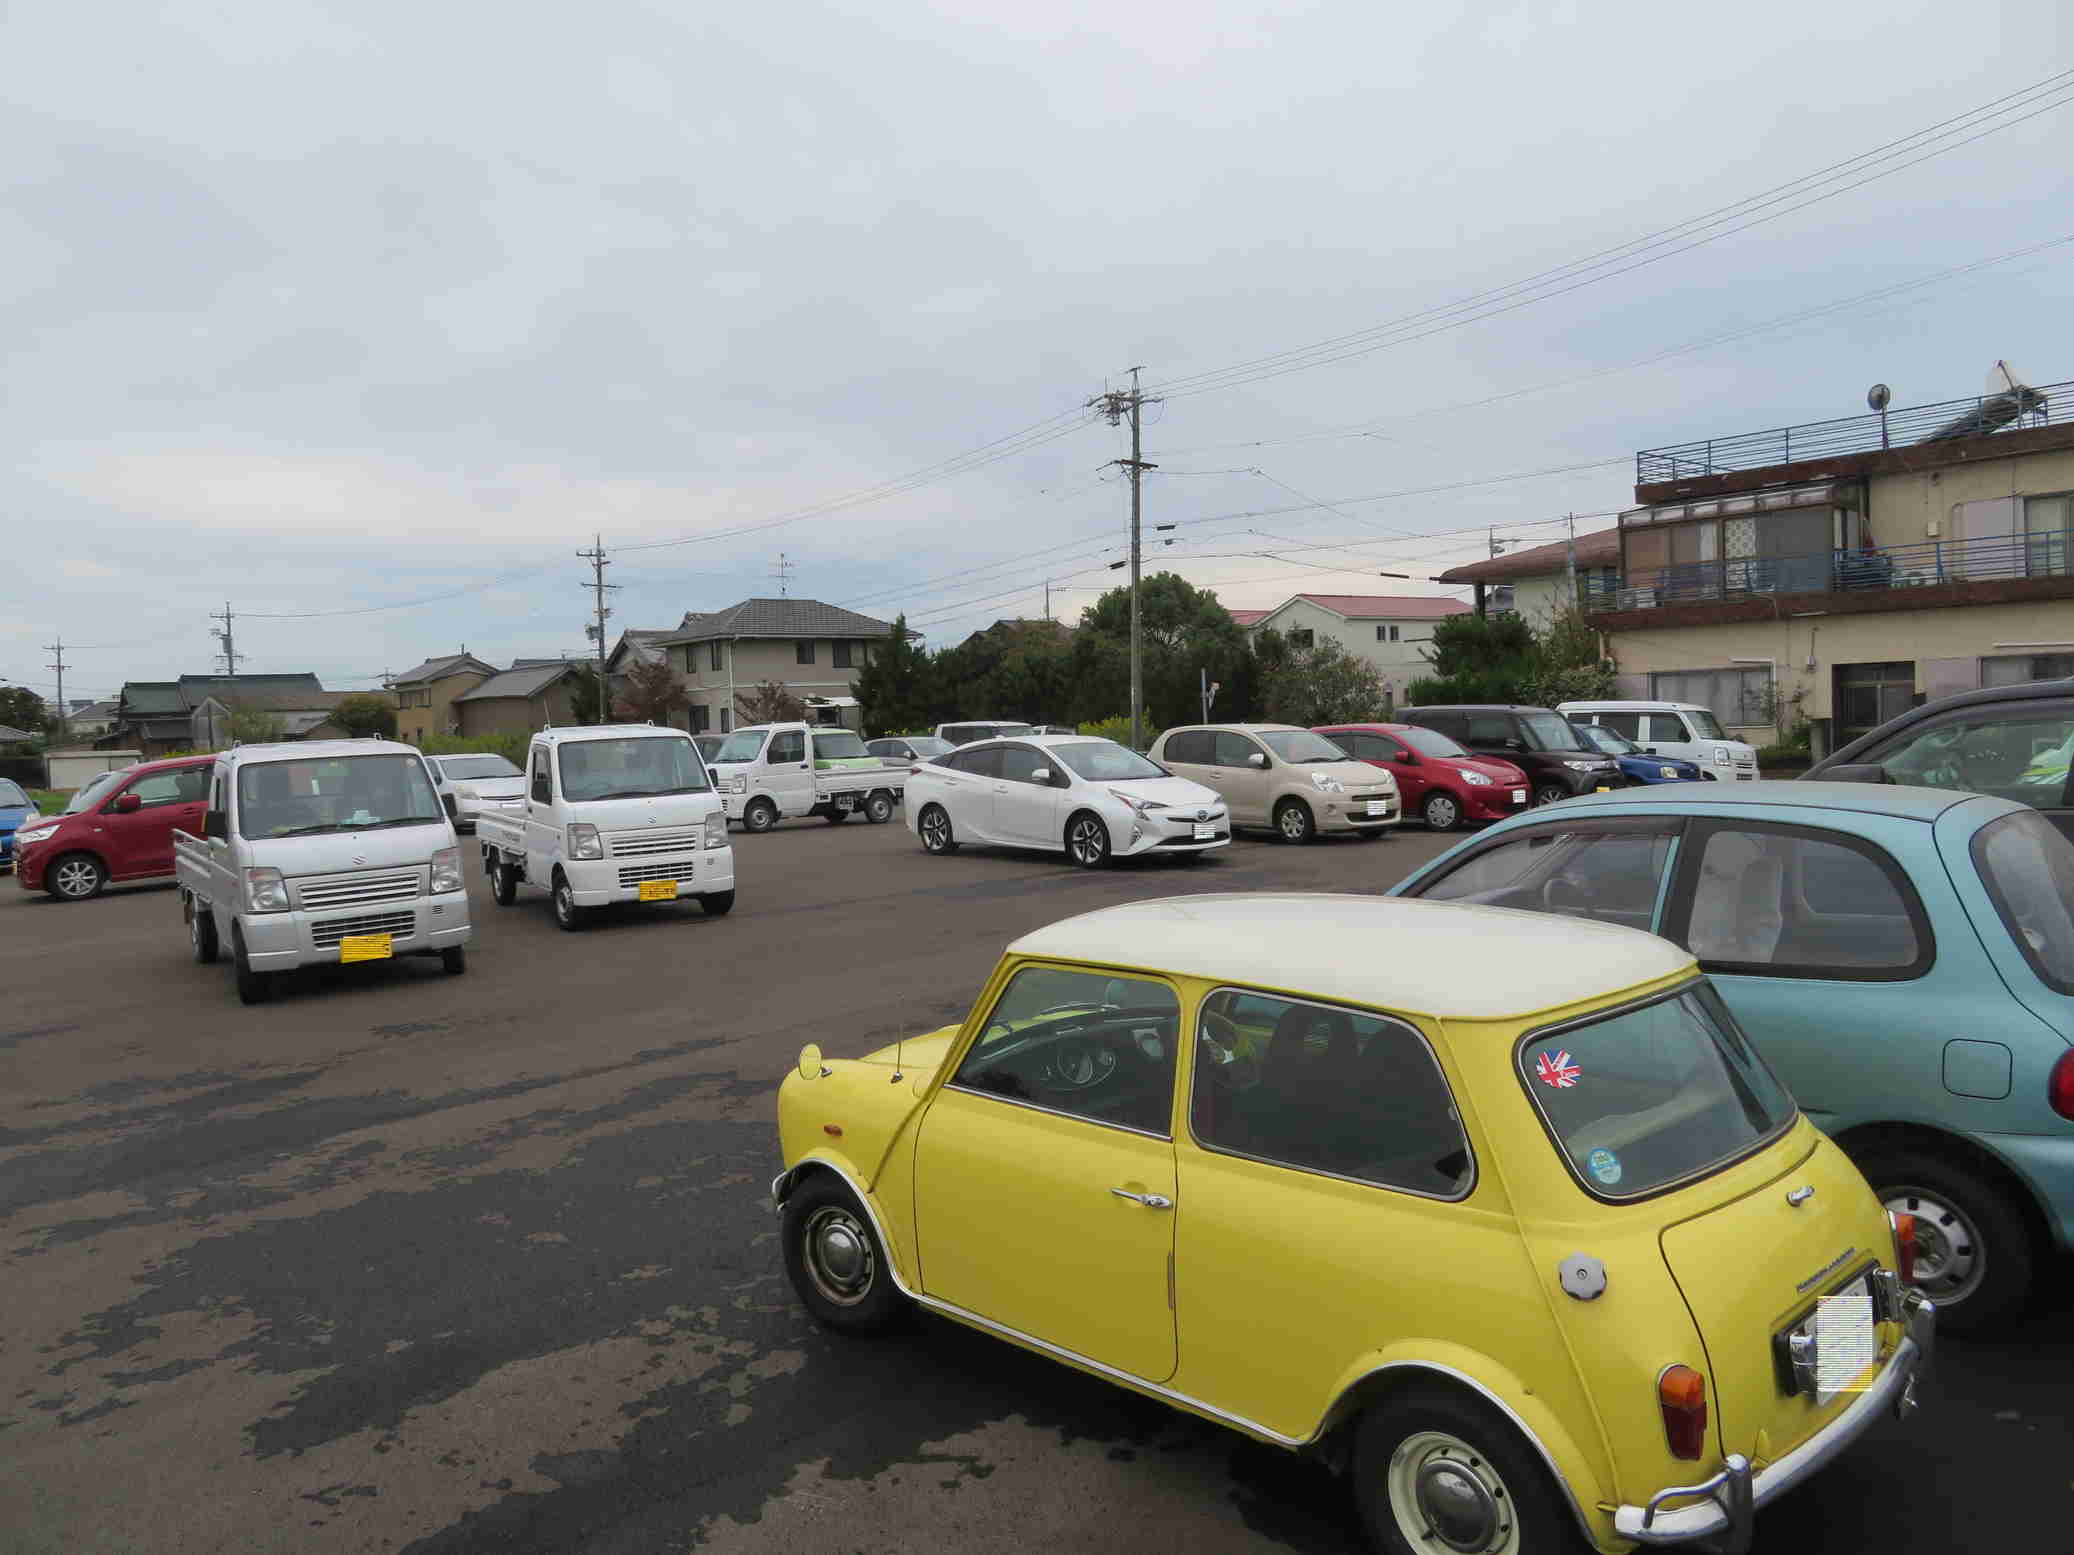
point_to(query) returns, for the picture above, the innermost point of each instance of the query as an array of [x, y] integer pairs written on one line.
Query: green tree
[[21, 708], [652, 694], [585, 704], [1185, 633], [364, 713], [248, 725], [770, 702], [894, 687], [1503, 658], [1322, 683]]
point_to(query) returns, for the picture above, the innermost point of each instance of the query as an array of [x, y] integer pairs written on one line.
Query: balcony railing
[[2047, 555], [1942, 422]]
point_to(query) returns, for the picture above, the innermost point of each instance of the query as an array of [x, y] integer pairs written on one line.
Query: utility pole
[[229, 655], [1116, 404], [58, 648], [1047, 599], [599, 562], [1571, 519]]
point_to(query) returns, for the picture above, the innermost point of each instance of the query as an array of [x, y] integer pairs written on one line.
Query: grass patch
[[51, 800]]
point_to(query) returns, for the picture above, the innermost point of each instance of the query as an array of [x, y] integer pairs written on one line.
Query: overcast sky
[[317, 308]]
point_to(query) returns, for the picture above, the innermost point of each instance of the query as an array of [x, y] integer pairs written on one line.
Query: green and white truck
[[771, 772]]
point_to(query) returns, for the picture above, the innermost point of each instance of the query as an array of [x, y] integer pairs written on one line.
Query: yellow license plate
[[365, 947], [658, 890]]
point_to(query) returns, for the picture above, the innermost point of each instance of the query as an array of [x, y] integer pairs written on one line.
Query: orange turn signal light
[[1681, 1393], [1904, 1245], [835, 1129]]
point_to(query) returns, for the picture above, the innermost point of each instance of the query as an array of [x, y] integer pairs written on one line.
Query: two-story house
[[1538, 582], [1845, 570], [812, 649], [1385, 630], [426, 694]]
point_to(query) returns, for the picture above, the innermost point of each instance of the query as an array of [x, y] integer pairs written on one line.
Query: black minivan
[[1538, 740]]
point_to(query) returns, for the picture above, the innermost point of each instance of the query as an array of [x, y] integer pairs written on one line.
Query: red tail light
[[2059, 1088], [1681, 1393], [1904, 1246]]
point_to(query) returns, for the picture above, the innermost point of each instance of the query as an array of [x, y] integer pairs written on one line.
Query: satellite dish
[[1878, 396]]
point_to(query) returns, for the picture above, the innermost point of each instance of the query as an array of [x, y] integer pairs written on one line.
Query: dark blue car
[[1636, 765]]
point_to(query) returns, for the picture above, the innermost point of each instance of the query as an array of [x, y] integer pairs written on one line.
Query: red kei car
[[1436, 778], [125, 833]]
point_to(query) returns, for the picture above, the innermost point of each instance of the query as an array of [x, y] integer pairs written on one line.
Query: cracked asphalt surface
[[454, 1266]]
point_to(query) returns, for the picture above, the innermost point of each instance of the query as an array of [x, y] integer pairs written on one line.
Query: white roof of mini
[[1427, 958]]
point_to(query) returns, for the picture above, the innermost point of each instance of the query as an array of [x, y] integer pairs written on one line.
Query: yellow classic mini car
[[1499, 1212]]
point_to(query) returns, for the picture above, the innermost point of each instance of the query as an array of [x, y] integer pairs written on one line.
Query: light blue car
[[1904, 957]]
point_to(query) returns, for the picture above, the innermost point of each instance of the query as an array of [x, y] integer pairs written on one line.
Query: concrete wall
[[69, 768], [1396, 663], [746, 663], [1913, 509], [414, 723]]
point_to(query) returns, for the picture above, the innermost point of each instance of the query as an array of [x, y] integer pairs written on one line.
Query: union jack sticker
[[1558, 1069]]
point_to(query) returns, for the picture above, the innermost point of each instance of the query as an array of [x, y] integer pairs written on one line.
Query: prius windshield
[[1104, 761], [334, 794], [639, 767], [1653, 1094]]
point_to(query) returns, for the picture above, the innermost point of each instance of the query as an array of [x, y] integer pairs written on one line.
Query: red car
[[126, 833], [1436, 778]]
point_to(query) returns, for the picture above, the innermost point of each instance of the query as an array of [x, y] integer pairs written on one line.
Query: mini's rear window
[[1652, 1095]]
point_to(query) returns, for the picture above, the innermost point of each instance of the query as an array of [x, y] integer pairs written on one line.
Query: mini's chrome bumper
[[1725, 1515]]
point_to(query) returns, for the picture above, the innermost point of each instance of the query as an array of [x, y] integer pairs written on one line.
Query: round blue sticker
[[1604, 1165]]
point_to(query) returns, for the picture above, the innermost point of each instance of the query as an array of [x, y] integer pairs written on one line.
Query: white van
[[1683, 729]]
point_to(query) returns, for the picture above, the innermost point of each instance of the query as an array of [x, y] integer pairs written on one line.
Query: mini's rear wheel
[[1438, 1473], [835, 1261]]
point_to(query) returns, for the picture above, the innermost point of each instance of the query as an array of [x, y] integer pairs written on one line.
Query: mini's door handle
[[1149, 1200]]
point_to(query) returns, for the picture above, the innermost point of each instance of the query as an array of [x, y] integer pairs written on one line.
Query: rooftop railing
[[1949, 419], [2046, 555]]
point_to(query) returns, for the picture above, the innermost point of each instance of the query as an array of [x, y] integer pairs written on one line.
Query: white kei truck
[[611, 813], [770, 772], [319, 853]]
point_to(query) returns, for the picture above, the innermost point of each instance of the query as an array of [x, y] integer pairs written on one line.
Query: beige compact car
[[1288, 780]]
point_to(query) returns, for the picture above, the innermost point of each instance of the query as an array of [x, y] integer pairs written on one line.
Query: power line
[[1681, 237]]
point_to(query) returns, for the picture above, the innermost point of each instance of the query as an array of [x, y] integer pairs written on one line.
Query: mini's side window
[[1093, 1044], [1612, 870], [1797, 902], [542, 792], [1324, 1089]]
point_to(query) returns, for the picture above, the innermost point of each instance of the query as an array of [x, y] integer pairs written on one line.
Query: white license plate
[[846, 801], [1205, 833], [1845, 1340], [1519, 796], [1378, 807]]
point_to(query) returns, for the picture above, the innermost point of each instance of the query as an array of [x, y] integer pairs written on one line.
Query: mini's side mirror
[[1855, 772], [1256, 760], [212, 824], [126, 804]]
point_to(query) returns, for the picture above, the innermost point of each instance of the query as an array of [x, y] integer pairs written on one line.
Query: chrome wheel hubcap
[[1292, 822], [1088, 842], [838, 1255], [75, 879], [1950, 1258], [936, 830], [1440, 813], [1447, 1496]]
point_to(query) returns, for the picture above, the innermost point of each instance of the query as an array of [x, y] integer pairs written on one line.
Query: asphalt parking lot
[[404, 1262]]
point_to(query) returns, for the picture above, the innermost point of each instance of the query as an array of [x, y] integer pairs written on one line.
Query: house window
[[700, 715], [840, 653], [1386, 634], [2019, 669], [1737, 696], [713, 655], [803, 651], [2047, 525], [1301, 637], [727, 720]]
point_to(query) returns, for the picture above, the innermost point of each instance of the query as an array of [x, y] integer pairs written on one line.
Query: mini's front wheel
[[835, 1260], [1294, 821]]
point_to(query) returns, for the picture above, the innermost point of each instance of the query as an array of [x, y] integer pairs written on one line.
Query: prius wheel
[[1436, 1473], [1293, 821], [201, 931], [1087, 840], [878, 809], [75, 877], [835, 1260], [1443, 812], [761, 815], [1973, 1251], [934, 823]]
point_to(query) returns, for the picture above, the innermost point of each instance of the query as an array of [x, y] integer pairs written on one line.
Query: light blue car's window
[[2028, 868], [1604, 869], [1798, 902]]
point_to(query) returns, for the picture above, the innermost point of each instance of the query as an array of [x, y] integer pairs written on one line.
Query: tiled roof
[[10, 735], [1599, 549], [778, 618], [1382, 607], [275, 701], [93, 710], [243, 687], [519, 681], [1246, 617], [439, 669], [152, 696]]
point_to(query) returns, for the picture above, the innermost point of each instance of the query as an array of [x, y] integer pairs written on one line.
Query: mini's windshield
[[839, 745], [1551, 732], [1300, 747], [741, 746], [1704, 724], [461, 767], [638, 767], [1653, 1094], [1606, 741], [2028, 868], [1428, 742], [334, 794], [11, 793], [1104, 761]]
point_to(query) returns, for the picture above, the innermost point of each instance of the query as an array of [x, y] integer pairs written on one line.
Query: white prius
[[1091, 799]]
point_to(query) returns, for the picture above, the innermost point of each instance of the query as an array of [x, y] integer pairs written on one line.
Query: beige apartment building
[[812, 649], [1843, 571], [426, 693], [1384, 630]]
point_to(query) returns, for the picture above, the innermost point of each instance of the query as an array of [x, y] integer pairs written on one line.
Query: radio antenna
[[899, 1043]]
